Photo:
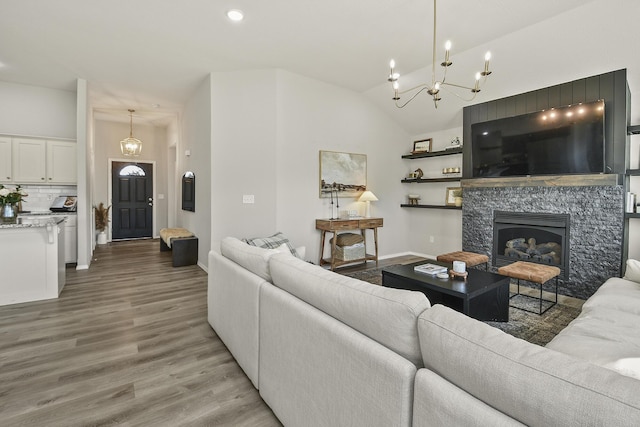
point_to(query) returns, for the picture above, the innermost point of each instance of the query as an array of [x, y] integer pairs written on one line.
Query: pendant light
[[131, 146]]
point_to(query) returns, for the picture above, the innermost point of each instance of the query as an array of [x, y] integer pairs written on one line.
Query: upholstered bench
[[183, 244], [535, 273], [469, 258]]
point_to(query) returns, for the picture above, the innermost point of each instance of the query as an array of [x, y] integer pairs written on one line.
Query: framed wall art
[[342, 174], [422, 146]]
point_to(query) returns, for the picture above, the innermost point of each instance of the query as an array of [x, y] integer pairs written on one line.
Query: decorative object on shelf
[[453, 193], [631, 202], [418, 173], [9, 201], [434, 87], [414, 199], [455, 143], [368, 197], [447, 171], [131, 146], [422, 146], [101, 220], [342, 173]]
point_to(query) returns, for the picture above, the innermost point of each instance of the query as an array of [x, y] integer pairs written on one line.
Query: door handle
[[150, 204]]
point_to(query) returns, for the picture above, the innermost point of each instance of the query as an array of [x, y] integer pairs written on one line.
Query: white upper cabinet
[[6, 174], [61, 162], [42, 161], [29, 160]]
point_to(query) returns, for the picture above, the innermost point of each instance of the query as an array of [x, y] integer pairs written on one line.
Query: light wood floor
[[127, 343]]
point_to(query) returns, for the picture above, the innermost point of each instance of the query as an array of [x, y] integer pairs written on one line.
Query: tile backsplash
[[40, 197]]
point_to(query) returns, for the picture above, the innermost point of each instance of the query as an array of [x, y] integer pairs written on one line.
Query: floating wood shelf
[[433, 153], [425, 180], [431, 207], [633, 130]]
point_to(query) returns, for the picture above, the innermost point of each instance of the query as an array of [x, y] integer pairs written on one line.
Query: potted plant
[[102, 221], [9, 203]]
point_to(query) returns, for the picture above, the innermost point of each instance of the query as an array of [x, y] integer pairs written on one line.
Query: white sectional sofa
[[327, 350]]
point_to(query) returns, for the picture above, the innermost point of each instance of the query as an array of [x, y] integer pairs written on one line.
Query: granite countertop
[[32, 223]]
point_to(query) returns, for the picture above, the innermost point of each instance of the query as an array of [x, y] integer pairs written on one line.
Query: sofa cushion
[[385, 315], [604, 336], [533, 384], [632, 272], [252, 258], [271, 242], [618, 294]]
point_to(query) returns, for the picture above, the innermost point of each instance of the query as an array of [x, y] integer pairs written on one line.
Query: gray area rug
[[537, 329]]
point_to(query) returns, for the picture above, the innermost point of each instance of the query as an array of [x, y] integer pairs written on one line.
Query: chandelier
[[131, 146], [433, 89]]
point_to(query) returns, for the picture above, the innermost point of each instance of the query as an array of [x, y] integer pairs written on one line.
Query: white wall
[[196, 137], [268, 128], [314, 116], [37, 111], [243, 155]]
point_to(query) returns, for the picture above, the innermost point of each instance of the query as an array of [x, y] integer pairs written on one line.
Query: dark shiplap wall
[[612, 87]]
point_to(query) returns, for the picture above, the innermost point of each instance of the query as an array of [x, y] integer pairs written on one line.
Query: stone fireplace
[[585, 217]]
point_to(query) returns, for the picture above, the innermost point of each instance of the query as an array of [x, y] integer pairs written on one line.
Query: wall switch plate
[[431, 239], [248, 198]]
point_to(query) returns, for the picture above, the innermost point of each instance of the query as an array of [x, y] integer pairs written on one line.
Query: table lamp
[[368, 197]]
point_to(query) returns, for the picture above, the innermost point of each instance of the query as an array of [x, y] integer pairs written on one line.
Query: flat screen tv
[[558, 141]]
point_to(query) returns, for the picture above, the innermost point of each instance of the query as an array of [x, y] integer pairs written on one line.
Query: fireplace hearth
[[533, 237]]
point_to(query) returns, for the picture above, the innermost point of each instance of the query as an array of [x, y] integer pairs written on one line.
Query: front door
[[132, 200]]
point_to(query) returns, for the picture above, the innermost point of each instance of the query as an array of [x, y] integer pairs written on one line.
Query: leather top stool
[[469, 258], [532, 272]]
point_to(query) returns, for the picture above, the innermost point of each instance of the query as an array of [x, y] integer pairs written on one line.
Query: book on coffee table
[[431, 269]]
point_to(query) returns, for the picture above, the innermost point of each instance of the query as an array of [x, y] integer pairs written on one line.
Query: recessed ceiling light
[[235, 15]]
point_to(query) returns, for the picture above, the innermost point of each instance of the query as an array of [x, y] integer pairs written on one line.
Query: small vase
[[9, 213], [458, 201]]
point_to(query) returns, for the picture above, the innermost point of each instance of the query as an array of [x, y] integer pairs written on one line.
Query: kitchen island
[[31, 260]]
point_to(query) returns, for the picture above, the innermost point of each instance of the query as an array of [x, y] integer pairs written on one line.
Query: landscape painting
[[342, 174]]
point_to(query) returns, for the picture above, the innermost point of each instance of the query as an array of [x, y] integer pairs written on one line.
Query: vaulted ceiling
[[151, 54]]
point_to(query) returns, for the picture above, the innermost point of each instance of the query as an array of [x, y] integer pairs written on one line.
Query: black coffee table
[[483, 296]]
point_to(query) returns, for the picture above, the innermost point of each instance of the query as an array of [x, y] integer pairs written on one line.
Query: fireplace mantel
[[597, 180]]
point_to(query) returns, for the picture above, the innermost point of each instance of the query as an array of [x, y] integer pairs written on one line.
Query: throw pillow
[[271, 242], [633, 270]]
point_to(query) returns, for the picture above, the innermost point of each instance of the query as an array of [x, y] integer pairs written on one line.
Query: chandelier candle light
[[131, 146], [433, 89]]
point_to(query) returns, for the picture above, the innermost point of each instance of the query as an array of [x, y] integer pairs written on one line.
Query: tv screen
[[558, 141]]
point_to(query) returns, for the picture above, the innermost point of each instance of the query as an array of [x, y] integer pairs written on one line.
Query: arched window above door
[[132, 170]]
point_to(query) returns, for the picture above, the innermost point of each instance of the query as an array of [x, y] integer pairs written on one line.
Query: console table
[[336, 225]]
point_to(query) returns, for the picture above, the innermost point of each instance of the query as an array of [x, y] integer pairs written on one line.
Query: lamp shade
[[368, 197]]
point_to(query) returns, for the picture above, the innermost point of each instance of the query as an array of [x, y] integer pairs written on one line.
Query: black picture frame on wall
[[189, 191]]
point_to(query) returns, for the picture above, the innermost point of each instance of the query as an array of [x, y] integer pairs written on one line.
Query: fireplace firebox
[[533, 237]]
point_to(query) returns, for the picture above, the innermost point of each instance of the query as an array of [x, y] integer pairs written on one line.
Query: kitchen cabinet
[[29, 160], [6, 174], [61, 162], [43, 161]]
